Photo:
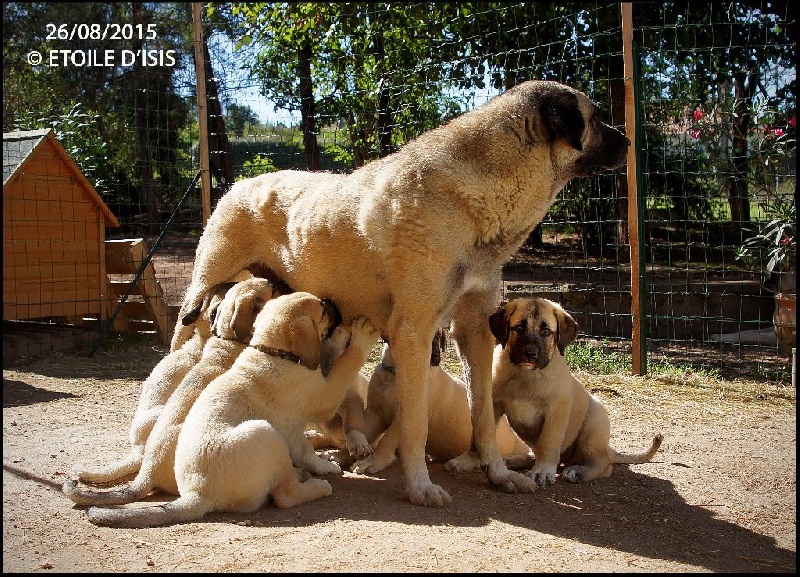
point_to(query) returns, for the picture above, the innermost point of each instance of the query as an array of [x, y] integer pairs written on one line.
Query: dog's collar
[[388, 369], [280, 353]]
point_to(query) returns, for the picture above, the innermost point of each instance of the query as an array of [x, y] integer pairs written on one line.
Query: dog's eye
[[545, 331], [519, 329]]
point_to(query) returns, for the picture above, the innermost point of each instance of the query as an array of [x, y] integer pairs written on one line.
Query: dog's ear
[[567, 329], [244, 315], [562, 118], [190, 317], [304, 342], [498, 323]]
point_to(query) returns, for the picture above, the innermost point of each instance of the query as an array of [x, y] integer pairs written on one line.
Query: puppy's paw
[[375, 463], [364, 335], [574, 474], [357, 445], [320, 466], [465, 463], [543, 474]]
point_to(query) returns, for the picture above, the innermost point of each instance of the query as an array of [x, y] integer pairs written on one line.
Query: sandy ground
[[719, 497]]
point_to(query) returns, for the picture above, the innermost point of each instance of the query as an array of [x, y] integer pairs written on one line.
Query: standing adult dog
[[416, 238], [545, 404]]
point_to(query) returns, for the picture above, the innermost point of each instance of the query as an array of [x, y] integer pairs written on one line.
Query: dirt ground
[[719, 497]]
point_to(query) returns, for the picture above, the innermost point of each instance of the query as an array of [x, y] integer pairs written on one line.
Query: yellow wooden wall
[[53, 243]]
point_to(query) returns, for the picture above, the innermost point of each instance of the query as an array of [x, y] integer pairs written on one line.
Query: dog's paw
[[574, 474], [364, 335], [357, 445], [319, 466], [543, 474], [427, 495], [340, 338], [372, 464], [464, 463]]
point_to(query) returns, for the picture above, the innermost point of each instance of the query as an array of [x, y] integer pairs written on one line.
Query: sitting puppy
[[345, 431], [235, 315], [244, 433], [449, 421], [156, 390], [545, 404]]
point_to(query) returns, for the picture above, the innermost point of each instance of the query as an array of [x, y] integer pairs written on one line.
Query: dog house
[[54, 222]]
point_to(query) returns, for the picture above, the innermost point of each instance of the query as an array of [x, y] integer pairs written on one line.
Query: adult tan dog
[[417, 238], [231, 330], [545, 404], [245, 431], [449, 425], [156, 390]]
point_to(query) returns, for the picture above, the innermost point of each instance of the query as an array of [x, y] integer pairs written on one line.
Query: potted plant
[[771, 253]]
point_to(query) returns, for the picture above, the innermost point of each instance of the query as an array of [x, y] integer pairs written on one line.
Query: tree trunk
[[145, 161], [738, 196], [308, 109], [218, 147]]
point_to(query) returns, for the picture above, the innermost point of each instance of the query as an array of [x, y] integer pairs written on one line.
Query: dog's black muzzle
[[333, 314]]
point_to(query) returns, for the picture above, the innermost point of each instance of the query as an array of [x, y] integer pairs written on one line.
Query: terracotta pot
[[785, 321]]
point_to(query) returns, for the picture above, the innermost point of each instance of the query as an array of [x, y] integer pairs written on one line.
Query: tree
[[239, 116]]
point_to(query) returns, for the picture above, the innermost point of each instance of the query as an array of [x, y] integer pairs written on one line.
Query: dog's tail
[[133, 491], [189, 507], [634, 458], [121, 468]]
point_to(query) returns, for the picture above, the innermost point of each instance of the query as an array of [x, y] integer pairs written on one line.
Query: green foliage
[[595, 359], [259, 164]]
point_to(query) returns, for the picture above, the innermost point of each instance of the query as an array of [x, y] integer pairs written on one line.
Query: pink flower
[[697, 114], [695, 133], [778, 132], [793, 121]]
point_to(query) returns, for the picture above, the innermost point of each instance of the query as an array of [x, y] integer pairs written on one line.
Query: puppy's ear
[[244, 315], [498, 323], [304, 342], [567, 329], [190, 317], [562, 118]]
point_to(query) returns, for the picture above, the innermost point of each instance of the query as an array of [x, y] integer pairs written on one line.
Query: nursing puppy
[[415, 238], [545, 404], [244, 433], [156, 390], [345, 431], [231, 330], [449, 425]]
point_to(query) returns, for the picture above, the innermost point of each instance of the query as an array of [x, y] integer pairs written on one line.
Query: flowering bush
[[773, 249]]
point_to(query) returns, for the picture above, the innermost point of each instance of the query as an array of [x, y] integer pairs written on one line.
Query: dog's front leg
[[475, 344], [412, 351]]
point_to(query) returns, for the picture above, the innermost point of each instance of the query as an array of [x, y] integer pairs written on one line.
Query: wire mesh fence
[[332, 86]]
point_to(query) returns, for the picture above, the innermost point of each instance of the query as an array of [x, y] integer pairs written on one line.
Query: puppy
[[449, 424], [231, 331], [244, 433], [156, 390], [345, 431], [545, 404]]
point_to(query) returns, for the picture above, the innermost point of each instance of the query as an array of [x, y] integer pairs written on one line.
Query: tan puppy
[[156, 390], [449, 425], [345, 431], [415, 238], [245, 431], [238, 310], [545, 404]]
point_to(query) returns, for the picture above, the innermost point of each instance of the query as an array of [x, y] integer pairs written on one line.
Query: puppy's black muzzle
[[529, 349], [334, 316]]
